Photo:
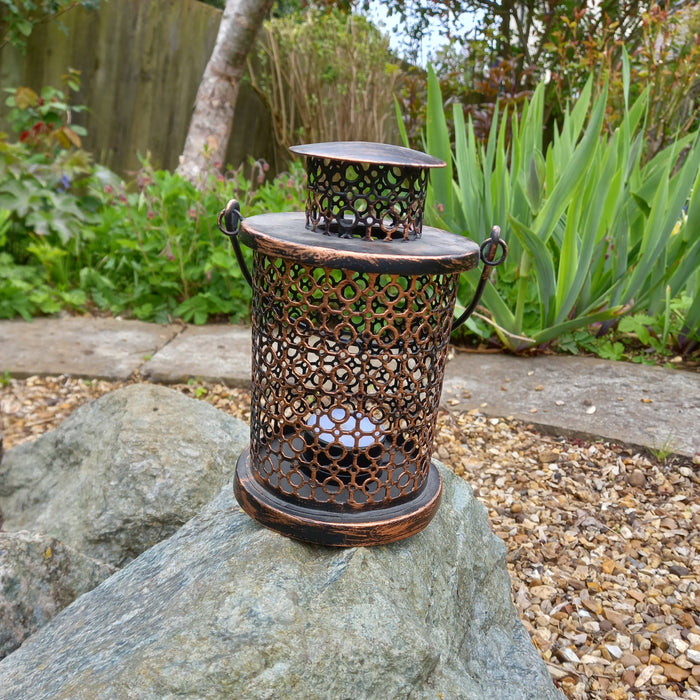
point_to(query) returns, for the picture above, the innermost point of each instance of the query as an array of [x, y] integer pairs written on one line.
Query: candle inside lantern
[[352, 430]]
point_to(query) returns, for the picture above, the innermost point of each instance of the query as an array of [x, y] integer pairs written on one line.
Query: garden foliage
[[594, 232], [73, 235], [19, 17], [325, 77], [483, 67]]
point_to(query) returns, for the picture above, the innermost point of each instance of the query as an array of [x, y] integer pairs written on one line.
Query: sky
[[434, 35]]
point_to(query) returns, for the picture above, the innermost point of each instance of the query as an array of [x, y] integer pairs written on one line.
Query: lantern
[[352, 311]]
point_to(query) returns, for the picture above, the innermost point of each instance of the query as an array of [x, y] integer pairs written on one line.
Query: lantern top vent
[[366, 190]]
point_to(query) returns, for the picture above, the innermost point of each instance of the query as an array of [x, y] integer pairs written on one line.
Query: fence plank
[[141, 63]]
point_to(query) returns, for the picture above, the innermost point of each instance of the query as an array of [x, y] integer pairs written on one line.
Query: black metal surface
[[487, 253], [229, 223], [367, 190]]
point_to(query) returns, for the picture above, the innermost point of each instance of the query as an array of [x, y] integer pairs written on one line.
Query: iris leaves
[[594, 232]]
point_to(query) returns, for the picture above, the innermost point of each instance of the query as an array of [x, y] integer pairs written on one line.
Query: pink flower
[[167, 252]]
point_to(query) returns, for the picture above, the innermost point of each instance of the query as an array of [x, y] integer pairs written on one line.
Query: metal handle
[[487, 253], [229, 223]]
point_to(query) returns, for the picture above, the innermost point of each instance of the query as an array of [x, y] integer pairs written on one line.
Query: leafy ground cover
[[74, 236], [150, 250]]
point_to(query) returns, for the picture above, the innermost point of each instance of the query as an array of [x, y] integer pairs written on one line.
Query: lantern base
[[334, 529]]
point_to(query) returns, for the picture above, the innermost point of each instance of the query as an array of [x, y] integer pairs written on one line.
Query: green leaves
[[150, 250], [438, 144], [593, 232]]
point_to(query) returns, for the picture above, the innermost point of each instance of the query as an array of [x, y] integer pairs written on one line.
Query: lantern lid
[[374, 191], [284, 235], [371, 153]]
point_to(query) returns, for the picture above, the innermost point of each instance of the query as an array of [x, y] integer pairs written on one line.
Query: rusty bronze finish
[[352, 311], [284, 235], [347, 374], [333, 529], [372, 191], [371, 201]]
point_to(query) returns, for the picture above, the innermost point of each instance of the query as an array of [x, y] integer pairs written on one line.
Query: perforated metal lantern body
[[352, 310]]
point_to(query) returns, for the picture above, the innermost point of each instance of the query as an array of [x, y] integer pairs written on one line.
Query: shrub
[[594, 232], [325, 77], [73, 235], [159, 254], [664, 60], [50, 193], [45, 178]]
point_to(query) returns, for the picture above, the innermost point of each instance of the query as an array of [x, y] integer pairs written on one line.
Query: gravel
[[602, 540]]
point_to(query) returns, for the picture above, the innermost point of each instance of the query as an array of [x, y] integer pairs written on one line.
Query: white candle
[[355, 430]]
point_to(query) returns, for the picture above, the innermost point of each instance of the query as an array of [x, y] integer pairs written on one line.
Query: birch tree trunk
[[212, 120]]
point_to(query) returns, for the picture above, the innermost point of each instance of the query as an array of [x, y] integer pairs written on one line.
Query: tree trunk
[[210, 128]]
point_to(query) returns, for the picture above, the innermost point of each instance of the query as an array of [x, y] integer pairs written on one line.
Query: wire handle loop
[[229, 223], [487, 253]]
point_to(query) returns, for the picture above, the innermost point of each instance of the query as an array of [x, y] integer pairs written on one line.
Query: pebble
[[659, 641], [628, 678], [544, 592], [593, 605], [675, 673], [637, 478], [569, 655], [630, 660], [678, 570], [618, 619], [644, 676], [678, 646], [614, 651]]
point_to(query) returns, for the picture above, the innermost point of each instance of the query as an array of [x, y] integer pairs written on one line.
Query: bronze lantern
[[352, 311]]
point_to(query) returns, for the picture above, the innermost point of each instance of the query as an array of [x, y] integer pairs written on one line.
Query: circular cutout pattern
[[347, 374], [365, 200]]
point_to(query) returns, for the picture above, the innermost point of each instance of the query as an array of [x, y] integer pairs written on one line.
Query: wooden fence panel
[[141, 63]]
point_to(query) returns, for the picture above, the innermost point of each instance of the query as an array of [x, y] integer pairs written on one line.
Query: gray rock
[[228, 609], [121, 473], [39, 576]]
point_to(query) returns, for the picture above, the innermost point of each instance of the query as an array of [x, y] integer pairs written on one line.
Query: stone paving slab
[[82, 347], [650, 407], [215, 353]]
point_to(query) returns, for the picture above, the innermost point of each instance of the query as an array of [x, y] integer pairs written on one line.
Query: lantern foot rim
[[331, 528]]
